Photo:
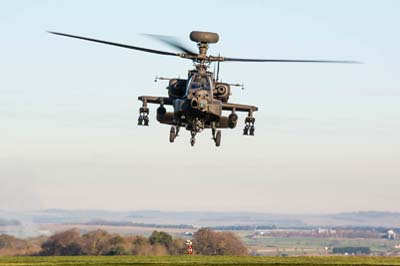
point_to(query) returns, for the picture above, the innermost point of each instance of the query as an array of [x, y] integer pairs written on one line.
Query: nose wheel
[[193, 138]]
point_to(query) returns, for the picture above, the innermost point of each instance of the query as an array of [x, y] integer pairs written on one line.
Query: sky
[[327, 135]]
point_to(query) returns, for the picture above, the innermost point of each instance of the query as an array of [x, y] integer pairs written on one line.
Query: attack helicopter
[[199, 100]]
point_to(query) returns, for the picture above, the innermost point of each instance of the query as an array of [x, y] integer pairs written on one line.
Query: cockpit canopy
[[199, 82]]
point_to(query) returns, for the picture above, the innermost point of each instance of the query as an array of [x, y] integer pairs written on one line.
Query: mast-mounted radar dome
[[204, 37]]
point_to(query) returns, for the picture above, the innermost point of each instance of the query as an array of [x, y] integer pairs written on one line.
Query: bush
[[209, 242], [100, 242], [161, 238], [68, 243], [177, 247], [11, 242], [351, 250]]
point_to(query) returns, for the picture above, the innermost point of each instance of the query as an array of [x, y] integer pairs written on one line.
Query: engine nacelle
[[222, 92], [177, 88], [232, 120], [161, 111]]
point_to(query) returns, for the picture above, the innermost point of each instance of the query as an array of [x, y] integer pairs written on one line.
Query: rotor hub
[[203, 48]]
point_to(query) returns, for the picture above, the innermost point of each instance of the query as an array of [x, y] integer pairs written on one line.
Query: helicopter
[[199, 100]]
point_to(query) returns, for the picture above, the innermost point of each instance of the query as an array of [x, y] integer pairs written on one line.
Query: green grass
[[195, 260]]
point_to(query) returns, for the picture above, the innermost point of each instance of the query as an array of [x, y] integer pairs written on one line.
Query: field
[[196, 260], [309, 246]]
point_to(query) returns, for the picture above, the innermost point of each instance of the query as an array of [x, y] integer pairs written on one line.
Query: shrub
[[209, 242]]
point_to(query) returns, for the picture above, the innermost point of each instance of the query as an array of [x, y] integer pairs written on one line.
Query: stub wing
[[155, 100], [238, 107]]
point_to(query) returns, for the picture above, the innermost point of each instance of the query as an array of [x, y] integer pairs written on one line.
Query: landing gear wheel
[[146, 120], [252, 131], [218, 138], [140, 120], [172, 135], [246, 130]]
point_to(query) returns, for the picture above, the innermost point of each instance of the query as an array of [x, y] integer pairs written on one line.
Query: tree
[[141, 246], [100, 242], [68, 243], [94, 242], [117, 250], [209, 242], [117, 246], [159, 250], [11, 242], [351, 250], [177, 247], [161, 238]]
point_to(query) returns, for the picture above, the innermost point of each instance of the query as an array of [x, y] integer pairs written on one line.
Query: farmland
[[195, 260], [309, 246]]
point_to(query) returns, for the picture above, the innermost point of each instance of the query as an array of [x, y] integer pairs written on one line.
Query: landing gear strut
[[218, 138], [193, 138], [249, 125], [173, 133], [216, 135], [195, 127]]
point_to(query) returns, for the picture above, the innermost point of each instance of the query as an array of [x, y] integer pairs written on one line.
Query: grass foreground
[[196, 260]]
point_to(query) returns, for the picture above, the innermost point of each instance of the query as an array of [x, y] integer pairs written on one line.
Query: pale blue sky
[[326, 135]]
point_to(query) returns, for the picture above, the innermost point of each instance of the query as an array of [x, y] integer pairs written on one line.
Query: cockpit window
[[200, 82]]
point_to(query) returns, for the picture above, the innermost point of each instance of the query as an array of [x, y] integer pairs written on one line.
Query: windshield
[[199, 82]]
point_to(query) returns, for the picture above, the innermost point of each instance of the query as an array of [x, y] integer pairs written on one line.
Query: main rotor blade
[[171, 41], [288, 60], [116, 44]]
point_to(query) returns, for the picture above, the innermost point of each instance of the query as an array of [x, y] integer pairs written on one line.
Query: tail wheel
[[218, 138], [172, 135]]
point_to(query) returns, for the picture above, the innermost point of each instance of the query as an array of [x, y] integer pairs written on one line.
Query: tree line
[[100, 242], [351, 250], [127, 223], [9, 222]]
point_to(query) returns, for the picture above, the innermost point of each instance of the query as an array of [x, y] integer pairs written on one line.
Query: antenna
[[218, 69], [214, 73]]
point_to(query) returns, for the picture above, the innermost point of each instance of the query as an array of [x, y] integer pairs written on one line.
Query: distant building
[[391, 234], [323, 231]]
